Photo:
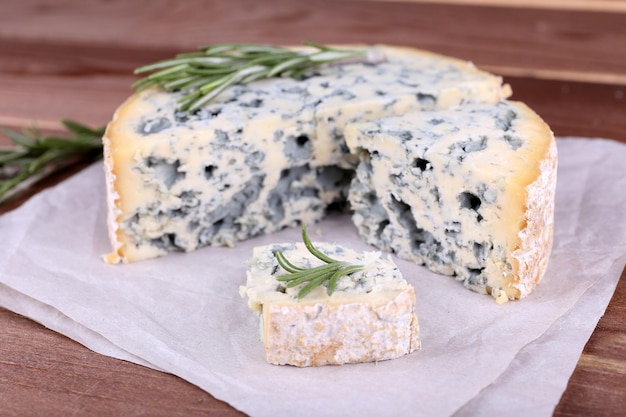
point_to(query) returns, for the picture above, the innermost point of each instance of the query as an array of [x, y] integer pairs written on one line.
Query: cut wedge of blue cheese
[[468, 191], [371, 315], [262, 156]]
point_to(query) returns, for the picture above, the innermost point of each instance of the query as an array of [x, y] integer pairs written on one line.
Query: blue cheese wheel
[[467, 191], [371, 315], [263, 156]]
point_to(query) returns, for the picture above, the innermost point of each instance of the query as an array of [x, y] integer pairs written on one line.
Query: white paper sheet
[[182, 313]]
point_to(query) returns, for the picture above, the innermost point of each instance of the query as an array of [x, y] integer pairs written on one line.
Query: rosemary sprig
[[203, 75], [34, 155], [330, 272]]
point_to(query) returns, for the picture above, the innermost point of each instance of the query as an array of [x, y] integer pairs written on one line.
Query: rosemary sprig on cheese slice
[[34, 156], [371, 316], [330, 271], [203, 75]]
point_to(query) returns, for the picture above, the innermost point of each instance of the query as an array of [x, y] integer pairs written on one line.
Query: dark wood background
[[74, 59]]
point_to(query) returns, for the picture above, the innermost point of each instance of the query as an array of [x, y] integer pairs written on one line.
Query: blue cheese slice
[[371, 315], [468, 192], [262, 156]]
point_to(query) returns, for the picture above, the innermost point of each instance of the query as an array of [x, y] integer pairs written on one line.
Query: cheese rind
[[262, 156], [467, 191], [370, 317]]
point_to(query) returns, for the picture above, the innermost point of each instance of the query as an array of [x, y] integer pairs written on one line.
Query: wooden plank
[[585, 5], [598, 385], [45, 99], [45, 374], [575, 109], [548, 42]]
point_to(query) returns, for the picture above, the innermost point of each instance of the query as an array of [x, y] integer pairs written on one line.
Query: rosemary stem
[[285, 264]]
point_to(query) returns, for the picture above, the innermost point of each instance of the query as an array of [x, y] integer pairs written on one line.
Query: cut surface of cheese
[[263, 156], [467, 191], [371, 315]]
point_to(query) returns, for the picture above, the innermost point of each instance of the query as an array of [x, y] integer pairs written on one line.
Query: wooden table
[[74, 59]]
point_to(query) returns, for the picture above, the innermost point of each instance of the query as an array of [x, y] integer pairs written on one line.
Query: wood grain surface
[[74, 59], [598, 385], [51, 375], [585, 5]]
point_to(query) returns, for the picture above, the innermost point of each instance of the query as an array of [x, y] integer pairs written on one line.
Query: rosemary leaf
[[11, 154], [317, 45], [332, 281], [20, 139], [180, 82], [171, 70], [314, 251], [310, 286], [294, 62], [81, 131], [285, 264]]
